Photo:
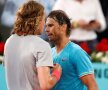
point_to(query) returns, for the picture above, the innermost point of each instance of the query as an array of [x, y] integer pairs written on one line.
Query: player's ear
[[64, 27]]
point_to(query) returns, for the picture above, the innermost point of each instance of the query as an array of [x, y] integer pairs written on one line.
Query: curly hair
[[62, 18], [28, 18]]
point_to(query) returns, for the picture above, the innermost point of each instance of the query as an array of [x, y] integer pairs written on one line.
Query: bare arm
[[92, 25], [46, 80], [89, 81]]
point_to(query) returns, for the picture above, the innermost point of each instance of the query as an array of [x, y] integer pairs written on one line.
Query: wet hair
[[28, 18], [62, 18]]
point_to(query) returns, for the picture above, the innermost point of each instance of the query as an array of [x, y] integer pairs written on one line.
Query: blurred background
[[8, 10]]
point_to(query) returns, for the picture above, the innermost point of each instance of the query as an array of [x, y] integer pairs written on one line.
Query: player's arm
[[47, 80], [92, 25], [89, 81]]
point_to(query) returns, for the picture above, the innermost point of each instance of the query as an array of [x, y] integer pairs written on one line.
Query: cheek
[[56, 33], [51, 30]]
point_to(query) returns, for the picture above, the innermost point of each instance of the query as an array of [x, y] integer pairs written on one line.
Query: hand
[[82, 23], [92, 21]]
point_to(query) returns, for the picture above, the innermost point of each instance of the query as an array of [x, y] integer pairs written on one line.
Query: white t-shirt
[[22, 54], [87, 10]]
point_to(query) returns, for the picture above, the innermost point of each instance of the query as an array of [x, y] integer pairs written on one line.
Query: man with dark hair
[[77, 70]]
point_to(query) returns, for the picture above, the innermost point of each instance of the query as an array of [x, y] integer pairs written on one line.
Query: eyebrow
[[50, 24]]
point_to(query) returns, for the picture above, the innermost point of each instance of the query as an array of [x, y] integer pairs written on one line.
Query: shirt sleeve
[[44, 57], [83, 63], [99, 15]]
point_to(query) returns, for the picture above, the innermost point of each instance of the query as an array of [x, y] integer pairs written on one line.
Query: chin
[[51, 40]]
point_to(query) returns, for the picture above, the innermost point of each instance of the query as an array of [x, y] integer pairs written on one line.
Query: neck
[[61, 44]]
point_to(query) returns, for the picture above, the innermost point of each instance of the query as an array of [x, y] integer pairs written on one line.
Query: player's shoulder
[[74, 46]]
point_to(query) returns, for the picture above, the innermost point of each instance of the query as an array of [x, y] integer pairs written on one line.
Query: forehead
[[51, 21]]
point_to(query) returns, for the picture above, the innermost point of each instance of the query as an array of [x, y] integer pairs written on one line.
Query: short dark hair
[[28, 18], [62, 18]]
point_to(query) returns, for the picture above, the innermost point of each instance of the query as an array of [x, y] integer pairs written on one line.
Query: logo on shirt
[[64, 59]]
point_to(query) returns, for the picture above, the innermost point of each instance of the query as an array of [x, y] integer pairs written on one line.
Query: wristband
[[57, 74]]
